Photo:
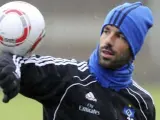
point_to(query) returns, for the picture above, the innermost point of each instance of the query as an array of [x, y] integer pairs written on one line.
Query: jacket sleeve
[[43, 77], [151, 111], [151, 114]]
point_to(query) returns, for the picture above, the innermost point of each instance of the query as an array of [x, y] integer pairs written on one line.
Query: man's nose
[[110, 39]]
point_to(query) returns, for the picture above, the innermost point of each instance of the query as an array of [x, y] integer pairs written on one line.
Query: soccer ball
[[22, 27]]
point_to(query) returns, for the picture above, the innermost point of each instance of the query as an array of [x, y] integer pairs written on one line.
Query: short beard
[[118, 62]]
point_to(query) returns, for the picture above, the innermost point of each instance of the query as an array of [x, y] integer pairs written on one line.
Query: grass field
[[26, 109]]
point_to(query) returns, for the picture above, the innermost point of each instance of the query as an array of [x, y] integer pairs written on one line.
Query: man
[[100, 89]]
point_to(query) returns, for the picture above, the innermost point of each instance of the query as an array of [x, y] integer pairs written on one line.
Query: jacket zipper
[[115, 112], [114, 108]]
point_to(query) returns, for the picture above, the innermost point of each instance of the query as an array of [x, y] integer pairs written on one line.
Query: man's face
[[114, 51]]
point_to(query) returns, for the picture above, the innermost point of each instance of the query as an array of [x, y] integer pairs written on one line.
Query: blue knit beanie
[[133, 20]]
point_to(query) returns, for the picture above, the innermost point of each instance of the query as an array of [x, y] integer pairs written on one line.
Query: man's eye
[[122, 37], [106, 31]]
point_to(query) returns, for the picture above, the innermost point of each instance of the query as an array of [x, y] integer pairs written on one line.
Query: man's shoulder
[[144, 99], [54, 59], [140, 91], [80, 65], [141, 95]]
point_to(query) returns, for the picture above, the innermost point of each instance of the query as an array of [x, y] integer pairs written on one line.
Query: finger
[[3, 75], [10, 87], [13, 93], [7, 69], [10, 95], [5, 98], [5, 81]]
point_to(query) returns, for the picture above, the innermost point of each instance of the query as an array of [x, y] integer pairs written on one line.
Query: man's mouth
[[107, 54]]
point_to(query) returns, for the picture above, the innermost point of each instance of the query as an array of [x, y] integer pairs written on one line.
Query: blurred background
[[72, 31]]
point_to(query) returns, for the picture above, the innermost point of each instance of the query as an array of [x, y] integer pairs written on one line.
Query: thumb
[[5, 99]]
